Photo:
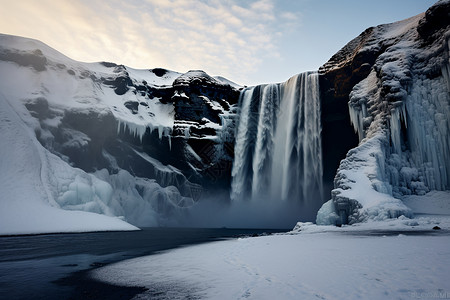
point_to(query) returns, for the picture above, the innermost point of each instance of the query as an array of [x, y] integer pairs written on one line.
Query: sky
[[248, 41]]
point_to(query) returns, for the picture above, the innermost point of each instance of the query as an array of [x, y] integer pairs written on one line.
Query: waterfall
[[278, 155]]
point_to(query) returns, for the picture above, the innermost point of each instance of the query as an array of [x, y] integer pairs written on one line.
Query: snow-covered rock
[[35, 184], [108, 136], [400, 108]]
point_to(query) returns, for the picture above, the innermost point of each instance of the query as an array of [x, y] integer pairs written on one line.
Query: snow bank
[[398, 258], [303, 266], [433, 203], [31, 216], [29, 179]]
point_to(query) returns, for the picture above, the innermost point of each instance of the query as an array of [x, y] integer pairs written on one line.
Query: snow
[[362, 192], [307, 265], [59, 90], [28, 202], [80, 91], [151, 78], [30, 216], [433, 203], [398, 258], [200, 77], [227, 81], [401, 112]]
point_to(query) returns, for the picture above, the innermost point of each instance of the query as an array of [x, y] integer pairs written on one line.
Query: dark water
[[56, 266]]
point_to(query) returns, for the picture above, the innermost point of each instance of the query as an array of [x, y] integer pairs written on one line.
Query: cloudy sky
[[249, 42]]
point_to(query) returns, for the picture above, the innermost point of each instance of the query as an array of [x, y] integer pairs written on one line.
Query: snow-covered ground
[[396, 259], [304, 266]]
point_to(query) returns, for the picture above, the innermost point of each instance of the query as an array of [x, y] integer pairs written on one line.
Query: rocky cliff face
[[396, 78], [143, 144]]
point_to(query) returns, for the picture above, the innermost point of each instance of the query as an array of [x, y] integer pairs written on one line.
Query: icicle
[[119, 126], [395, 129], [356, 118], [160, 131], [429, 131], [135, 130]]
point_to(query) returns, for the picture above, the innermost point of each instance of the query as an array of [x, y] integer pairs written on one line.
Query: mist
[[266, 213]]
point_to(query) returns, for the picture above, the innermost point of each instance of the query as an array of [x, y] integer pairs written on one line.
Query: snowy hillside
[[27, 182], [74, 137]]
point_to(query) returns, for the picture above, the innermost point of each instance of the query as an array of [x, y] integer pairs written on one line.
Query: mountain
[[155, 147], [135, 144]]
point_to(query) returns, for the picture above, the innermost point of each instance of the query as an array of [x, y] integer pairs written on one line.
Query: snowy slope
[[67, 84], [77, 143], [28, 173]]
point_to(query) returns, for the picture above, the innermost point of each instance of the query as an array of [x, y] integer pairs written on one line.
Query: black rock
[[108, 64], [132, 106], [159, 72], [34, 59]]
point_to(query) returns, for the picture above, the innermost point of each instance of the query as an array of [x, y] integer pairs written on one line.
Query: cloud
[[229, 38]]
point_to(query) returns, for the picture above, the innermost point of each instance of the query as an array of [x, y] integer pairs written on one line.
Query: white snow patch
[[31, 180], [302, 266], [432, 203]]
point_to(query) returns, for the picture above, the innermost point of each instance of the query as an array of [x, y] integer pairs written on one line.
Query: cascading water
[[278, 155]]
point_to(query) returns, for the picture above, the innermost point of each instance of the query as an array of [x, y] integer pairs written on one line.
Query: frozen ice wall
[[401, 112], [278, 144]]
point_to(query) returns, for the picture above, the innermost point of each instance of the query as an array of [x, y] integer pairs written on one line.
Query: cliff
[[396, 82], [141, 144]]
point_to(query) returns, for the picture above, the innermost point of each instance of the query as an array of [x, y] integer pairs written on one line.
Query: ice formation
[[278, 144], [401, 112], [35, 184], [56, 101]]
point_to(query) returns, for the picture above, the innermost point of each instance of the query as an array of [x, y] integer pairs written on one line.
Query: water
[[56, 266], [278, 152]]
